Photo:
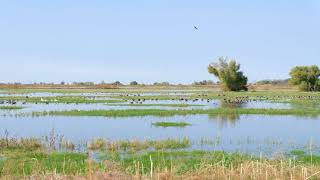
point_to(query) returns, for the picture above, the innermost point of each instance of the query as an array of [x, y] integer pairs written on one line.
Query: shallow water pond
[[31, 107], [245, 133], [148, 104], [130, 94]]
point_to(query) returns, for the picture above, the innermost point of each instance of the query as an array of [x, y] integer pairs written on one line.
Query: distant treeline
[[135, 83], [204, 82], [273, 82], [116, 83]]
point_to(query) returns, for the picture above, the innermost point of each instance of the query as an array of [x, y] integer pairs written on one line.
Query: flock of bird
[[224, 98], [11, 102], [14, 102], [140, 99], [247, 99], [137, 101]]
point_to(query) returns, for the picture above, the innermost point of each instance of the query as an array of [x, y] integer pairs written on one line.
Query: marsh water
[[32, 107], [245, 133], [266, 134]]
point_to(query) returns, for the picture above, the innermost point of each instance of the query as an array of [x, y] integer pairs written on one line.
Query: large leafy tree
[[229, 74], [307, 77]]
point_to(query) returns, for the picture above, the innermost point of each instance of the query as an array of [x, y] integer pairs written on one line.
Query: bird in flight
[[195, 27]]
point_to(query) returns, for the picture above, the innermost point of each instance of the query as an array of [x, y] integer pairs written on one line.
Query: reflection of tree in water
[[224, 120], [232, 105]]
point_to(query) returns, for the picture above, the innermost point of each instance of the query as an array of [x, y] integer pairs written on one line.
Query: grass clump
[[171, 144], [171, 124], [97, 144], [138, 145], [22, 143], [129, 145]]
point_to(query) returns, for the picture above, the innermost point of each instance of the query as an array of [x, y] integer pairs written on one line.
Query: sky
[[149, 41]]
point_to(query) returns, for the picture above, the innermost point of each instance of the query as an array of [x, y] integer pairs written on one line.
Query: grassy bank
[[213, 165], [22, 163], [159, 112], [28, 156], [31, 159]]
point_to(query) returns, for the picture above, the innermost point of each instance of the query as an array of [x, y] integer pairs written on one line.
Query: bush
[[229, 74]]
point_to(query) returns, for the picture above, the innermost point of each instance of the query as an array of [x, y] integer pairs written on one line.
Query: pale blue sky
[[147, 41]]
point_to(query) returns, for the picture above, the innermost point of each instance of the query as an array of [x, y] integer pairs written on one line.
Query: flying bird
[[195, 27]]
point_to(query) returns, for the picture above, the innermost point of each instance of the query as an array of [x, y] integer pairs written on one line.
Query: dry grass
[[250, 170], [257, 170]]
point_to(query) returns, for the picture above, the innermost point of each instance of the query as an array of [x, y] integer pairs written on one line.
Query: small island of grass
[[11, 107], [171, 124]]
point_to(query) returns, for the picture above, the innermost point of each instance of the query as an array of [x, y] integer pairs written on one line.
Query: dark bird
[[195, 27]]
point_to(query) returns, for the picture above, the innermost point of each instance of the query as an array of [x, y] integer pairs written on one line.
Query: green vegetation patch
[[21, 163], [29, 156], [29, 144], [11, 107], [23, 157], [171, 124], [136, 145], [159, 105], [161, 112], [301, 157], [179, 161]]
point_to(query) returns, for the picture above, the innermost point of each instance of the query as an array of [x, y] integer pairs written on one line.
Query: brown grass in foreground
[[252, 170]]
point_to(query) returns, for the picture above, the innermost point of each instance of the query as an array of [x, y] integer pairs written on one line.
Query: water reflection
[[224, 120]]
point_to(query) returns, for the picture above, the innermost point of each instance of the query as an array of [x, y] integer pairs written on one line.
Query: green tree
[[134, 83], [229, 74], [307, 77], [117, 83]]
